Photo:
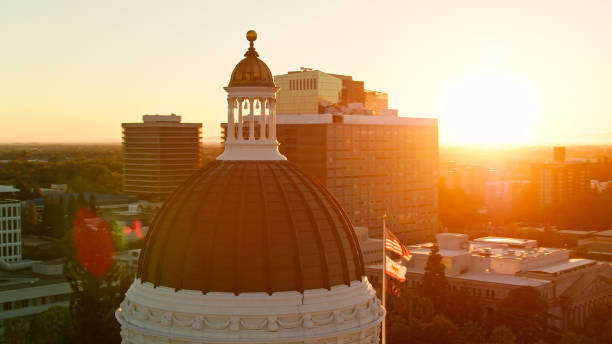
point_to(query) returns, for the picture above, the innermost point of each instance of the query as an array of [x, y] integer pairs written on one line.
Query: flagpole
[[384, 279]]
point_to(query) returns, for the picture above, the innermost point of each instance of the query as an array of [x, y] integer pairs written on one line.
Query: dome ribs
[[208, 269], [190, 244], [238, 272], [296, 248], [251, 226], [180, 192], [334, 230], [320, 246], [348, 227], [265, 230]]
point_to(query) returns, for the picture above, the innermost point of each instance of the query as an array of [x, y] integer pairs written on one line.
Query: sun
[[487, 109]]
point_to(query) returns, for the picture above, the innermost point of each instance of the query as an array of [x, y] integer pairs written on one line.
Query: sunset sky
[[493, 72]]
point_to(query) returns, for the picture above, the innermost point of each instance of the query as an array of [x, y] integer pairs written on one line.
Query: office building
[[489, 268], [310, 92], [561, 180], [159, 154], [32, 288], [251, 249], [10, 230]]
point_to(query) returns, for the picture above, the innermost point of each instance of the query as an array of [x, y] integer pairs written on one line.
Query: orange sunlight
[[488, 109]]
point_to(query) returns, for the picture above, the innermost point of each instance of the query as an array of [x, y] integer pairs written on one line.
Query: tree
[[439, 330], [471, 333], [16, 331], [29, 219], [93, 206], [502, 335], [525, 312], [98, 284], [434, 283], [569, 337], [60, 224], [53, 326]]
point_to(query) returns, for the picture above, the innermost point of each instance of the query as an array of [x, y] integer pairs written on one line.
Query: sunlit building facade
[[10, 230], [373, 165], [489, 268], [159, 154]]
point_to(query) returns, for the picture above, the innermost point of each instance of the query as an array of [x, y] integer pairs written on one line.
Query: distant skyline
[[493, 73]]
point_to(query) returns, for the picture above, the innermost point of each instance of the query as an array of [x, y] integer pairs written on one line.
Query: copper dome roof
[[251, 71], [251, 226]]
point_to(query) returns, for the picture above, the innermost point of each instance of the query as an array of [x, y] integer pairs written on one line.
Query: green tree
[[423, 309], [96, 293], [48, 215], [439, 330], [525, 312], [569, 337], [29, 219], [59, 218], [434, 284], [471, 333], [16, 331], [502, 335], [53, 326], [92, 202]]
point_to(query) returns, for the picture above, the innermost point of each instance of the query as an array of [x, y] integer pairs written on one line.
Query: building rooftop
[[8, 189], [503, 279], [606, 233], [570, 264], [354, 119], [13, 280]]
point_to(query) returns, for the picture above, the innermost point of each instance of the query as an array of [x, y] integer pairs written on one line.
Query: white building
[[10, 230], [30, 291], [250, 249], [490, 267]]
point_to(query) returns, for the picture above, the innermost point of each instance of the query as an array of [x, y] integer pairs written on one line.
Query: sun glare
[[487, 110]]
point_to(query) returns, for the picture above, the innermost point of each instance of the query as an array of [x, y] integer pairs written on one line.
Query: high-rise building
[[159, 154], [10, 230], [561, 180], [251, 249], [310, 91], [373, 165]]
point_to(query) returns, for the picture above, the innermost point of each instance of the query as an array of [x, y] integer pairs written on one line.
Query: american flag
[[394, 245]]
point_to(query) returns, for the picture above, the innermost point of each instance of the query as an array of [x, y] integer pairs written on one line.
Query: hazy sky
[[533, 71]]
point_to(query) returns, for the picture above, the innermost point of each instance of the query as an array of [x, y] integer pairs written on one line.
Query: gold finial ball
[[251, 35]]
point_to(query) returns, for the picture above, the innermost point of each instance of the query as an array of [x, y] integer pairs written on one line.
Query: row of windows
[[303, 84], [12, 211], [11, 250], [9, 224], [7, 306], [11, 237]]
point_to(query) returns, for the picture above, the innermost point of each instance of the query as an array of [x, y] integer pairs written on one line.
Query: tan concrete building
[[159, 154], [489, 268]]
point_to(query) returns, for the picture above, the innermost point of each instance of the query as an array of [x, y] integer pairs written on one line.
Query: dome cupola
[[251, 71]]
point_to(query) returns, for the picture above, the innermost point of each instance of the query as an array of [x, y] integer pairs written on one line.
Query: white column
[[251, 120], [230, 119], [240, 138], [262, 119], [272, 119]]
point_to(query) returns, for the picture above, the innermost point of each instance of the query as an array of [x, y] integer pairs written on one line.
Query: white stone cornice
[[285, 317]]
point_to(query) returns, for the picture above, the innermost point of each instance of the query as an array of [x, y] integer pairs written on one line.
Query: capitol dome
[[251, 226], [250, 249]]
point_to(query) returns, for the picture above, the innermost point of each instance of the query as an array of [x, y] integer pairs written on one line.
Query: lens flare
[[93, 242]]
